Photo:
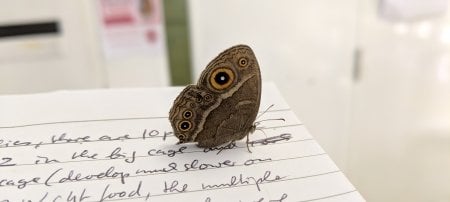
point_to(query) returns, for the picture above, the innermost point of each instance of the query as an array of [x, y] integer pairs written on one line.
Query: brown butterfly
[[223, 105]]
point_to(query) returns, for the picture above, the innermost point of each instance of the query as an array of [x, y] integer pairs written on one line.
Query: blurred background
[[370, 78]]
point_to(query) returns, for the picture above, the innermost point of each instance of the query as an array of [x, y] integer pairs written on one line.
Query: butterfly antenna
[[264, 111], [277, 119], [268, 108]]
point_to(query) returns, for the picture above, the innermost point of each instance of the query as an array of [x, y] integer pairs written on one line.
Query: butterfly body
[[223, 105]]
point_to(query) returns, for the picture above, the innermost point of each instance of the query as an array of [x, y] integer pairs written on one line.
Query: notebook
[[118, 145]]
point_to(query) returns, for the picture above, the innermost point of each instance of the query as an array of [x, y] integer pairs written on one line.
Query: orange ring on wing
[[222, 78], [243, 62], [185, 126]]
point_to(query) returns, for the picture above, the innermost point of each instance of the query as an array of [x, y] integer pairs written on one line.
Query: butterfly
[[223, 105]]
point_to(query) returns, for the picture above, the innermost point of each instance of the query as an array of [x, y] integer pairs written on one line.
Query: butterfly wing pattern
[[222, 107]]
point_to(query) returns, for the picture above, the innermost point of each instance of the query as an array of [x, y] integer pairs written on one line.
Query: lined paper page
[[117, 145]]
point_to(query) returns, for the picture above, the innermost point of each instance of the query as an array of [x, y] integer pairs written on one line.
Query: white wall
[[400, 126], [305, 47]]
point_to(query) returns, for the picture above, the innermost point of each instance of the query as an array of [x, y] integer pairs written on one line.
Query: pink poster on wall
[[131, 27]]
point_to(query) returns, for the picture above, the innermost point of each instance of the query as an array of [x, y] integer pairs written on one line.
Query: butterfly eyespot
[[187, 114], [207, 97], [242, 62], [184, 125], [181, 137], [221, 78], [192, 105]]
